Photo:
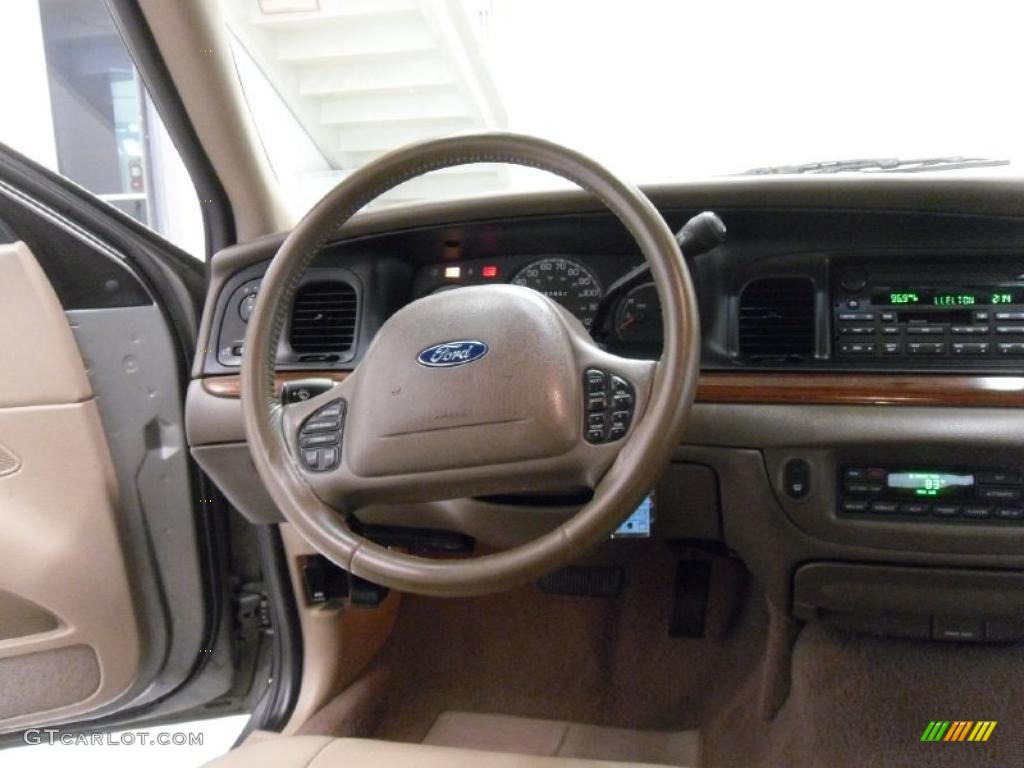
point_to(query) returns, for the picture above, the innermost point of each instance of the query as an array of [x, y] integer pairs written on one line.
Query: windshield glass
[[658, 91]]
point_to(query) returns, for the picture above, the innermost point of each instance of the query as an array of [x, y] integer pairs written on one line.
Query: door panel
[[70, 642]]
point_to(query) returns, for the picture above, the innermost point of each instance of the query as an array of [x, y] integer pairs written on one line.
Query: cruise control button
[[595, 434], [595, 421], [311, 459], [597, 403]]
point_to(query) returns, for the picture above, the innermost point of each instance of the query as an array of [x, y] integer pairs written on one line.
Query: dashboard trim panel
[[797, 388]]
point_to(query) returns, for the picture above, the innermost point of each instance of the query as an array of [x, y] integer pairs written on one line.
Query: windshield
[[658, 91]]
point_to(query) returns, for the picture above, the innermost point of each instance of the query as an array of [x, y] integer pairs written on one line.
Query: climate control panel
[[929, 494]]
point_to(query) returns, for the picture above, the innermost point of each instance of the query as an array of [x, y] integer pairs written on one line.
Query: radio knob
[[853, 282]]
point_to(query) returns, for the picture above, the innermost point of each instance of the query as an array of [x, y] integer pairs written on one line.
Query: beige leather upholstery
[[325, 752]]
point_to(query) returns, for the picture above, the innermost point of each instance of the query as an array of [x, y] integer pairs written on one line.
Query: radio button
[[1009, 513], [1009, 315], [856, 317], [915, 508], [973, 330], [857, 348], [1015, 348], [885, 507], [856, 330], [851, 505], [888, 317], [981, 315], [1007, 329], [971, 348], [926, 348], [1008, 477], [945, 510], [890, 330], [999, 494], [977, 511], [892, 348], [925, 330]]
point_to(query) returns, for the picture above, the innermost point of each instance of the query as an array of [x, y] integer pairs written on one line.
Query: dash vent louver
[[777, 319], [323, 319]]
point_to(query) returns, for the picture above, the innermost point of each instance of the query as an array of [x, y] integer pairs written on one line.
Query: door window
[[75, 103]]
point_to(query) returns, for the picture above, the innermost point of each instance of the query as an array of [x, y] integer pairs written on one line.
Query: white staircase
[[366, 76]]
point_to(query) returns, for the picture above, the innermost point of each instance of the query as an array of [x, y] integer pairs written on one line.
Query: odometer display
[[566, 281]]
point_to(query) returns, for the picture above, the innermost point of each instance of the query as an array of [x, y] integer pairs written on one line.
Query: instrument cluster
[[633, 324]]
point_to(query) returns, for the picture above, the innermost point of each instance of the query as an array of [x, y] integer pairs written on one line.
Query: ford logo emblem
[[452, 353]]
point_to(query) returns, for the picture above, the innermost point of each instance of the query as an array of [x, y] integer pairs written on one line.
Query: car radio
[[901, 320]]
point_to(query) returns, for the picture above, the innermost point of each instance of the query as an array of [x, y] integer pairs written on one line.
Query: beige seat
[[327, 752]]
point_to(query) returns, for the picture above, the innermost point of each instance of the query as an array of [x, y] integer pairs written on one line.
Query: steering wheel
[[480, 390]]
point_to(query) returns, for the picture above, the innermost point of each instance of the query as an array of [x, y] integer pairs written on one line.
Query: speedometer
[[566, 281]]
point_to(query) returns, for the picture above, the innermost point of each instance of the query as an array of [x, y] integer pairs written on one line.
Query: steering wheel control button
[[796, 478], [610, 401], [596, 384], [314, 441], [320, 437], [303, 390]]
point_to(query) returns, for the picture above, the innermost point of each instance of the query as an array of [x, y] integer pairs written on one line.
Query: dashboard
[[861, 401], [787, 291]]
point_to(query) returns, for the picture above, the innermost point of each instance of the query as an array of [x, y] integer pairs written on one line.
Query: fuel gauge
[[638, 317]]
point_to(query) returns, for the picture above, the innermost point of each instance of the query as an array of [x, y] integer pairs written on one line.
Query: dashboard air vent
[[777, 319], [324, 318]]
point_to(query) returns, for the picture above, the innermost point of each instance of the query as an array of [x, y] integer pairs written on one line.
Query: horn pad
[[466, 378]]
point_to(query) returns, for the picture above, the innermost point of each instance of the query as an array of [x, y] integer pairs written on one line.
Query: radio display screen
[[934, 297], [929, 483]]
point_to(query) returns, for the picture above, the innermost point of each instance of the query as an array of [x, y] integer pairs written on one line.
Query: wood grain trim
[[789, 388], [854, 389]]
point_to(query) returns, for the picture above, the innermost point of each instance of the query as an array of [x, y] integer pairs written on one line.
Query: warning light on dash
[[453, 273], [489, 271]]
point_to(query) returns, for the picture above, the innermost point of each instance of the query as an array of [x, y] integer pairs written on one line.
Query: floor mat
[[524, 653], [530, 736]]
